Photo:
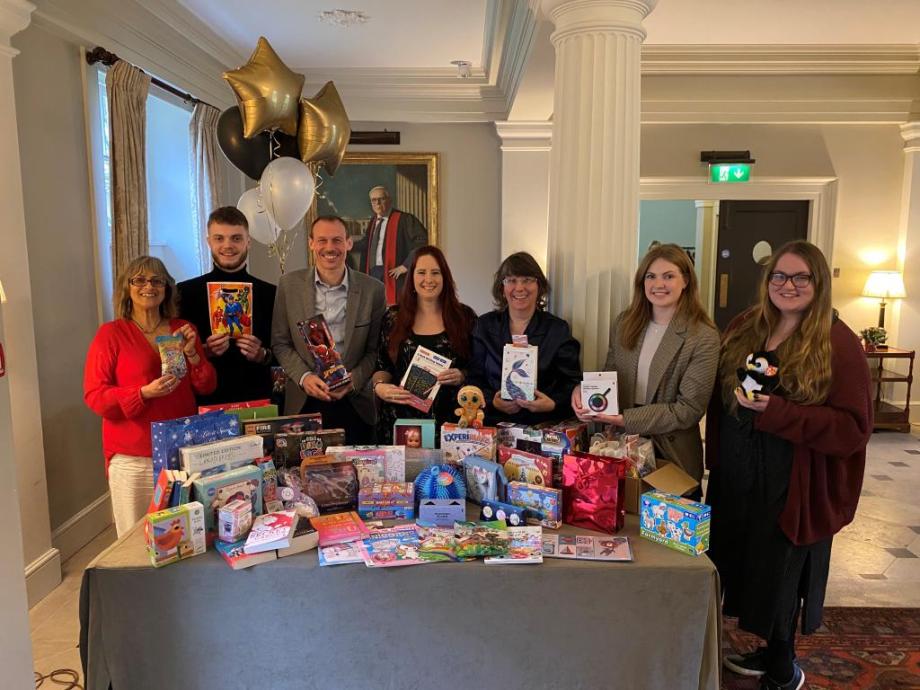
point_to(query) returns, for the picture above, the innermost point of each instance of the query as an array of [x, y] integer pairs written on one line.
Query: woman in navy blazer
[[520, 292]]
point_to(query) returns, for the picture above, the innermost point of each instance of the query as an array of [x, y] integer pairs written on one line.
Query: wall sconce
[[884, 285]]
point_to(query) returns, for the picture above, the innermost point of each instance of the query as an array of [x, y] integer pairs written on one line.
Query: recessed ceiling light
[[343, 18], [464, 68]]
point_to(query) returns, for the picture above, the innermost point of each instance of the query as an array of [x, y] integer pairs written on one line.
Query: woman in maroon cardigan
[[786, 468]]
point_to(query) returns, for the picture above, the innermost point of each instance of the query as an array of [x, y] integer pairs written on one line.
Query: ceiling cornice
[[780, 59], [187, 23]]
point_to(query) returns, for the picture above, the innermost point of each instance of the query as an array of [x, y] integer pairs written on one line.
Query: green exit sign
[[729, 172]]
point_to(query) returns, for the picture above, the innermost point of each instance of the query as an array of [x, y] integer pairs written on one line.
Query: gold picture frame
[[411, 179]]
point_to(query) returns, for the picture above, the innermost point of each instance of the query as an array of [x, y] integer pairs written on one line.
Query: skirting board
[[83, 527], [43, 575]]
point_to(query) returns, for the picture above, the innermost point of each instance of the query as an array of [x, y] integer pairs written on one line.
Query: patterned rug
[[855, 649]]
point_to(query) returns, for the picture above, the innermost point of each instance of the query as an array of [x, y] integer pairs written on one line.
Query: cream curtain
[[412, 191], [126, 88], [205, 172]]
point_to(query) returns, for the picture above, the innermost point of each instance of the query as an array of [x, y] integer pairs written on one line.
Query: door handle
[[723, 290]]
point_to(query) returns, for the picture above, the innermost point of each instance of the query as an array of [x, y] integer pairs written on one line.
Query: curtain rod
[[100, 54]]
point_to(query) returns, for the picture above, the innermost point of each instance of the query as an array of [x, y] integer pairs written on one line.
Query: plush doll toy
[[471, 401], [760, 374]]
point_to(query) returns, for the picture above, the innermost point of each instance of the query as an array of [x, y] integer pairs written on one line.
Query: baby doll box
[[668, 478], [675, 522]]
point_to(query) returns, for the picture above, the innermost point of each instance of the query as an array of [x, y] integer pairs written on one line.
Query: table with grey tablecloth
[[198, 624]]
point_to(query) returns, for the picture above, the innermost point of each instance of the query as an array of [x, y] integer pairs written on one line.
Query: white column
[[15, 432], [908, 331], [594, 168], [42, 562], [706, 238], [525, 187]]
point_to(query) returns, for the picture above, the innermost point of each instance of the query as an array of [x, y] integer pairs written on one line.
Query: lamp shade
[[885, 284]]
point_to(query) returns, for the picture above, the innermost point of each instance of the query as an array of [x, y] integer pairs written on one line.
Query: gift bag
[[593, 491], [169, 436]]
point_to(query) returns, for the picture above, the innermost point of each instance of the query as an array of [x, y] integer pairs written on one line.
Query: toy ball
[[440, 481]]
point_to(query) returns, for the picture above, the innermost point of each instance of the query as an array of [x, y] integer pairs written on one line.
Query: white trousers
[[131, 488]]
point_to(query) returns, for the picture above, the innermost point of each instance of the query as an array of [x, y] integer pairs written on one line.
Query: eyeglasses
[[378, 199], [525, 281], [140, 281], [800, 280]]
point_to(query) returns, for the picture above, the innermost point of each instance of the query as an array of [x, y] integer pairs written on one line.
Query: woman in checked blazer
[[665, 350]]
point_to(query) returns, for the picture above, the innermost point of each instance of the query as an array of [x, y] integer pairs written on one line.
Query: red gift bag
[[593, 491]]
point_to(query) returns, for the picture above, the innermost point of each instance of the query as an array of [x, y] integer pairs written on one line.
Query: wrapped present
[[169, 436], [593, 489]]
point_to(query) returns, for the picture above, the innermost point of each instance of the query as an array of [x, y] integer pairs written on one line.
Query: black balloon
[[250, 155]]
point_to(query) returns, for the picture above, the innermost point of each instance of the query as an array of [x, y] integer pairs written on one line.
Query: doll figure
[[760, 374], [471, 402]]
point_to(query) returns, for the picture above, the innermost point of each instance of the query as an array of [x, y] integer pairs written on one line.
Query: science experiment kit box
[[676, 522]]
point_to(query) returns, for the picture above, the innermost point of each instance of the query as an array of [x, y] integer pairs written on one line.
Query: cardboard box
[[175, 533], [676, 522], [443, 512], [387, 501], [220, 456], [668, 478]]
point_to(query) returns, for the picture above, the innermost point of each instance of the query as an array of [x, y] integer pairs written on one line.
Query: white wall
[[470, 218], [666, 221]]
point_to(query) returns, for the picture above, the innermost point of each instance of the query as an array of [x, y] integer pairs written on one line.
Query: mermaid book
[[519, 372]]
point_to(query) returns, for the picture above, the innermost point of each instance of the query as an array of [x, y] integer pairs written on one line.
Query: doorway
[[749, 232]]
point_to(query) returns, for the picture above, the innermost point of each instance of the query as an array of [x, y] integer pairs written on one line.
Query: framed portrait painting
[[368, 186]]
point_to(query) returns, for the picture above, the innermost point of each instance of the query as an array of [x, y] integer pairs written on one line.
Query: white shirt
[[379, 240], [654, 332]]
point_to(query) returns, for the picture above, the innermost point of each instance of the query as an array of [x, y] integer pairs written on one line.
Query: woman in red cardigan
[[123, 382], [786, 467]]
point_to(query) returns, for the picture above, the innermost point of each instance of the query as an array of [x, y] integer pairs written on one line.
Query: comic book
[[393, 546], [587, 547], [339, 554], [230, 307], [327, 361], [421, 378]]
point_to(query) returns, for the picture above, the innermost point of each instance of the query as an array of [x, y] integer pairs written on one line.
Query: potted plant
[[874, 338]]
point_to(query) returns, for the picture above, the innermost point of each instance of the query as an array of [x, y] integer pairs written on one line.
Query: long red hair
[[458, 318]]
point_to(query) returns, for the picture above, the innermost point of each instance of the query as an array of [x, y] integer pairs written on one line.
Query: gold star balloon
[[267, 91], [324, 128]]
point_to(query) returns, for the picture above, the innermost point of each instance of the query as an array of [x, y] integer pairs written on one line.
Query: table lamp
[[884, 285]]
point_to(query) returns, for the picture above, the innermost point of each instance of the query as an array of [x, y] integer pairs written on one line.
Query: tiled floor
[[875, 560]]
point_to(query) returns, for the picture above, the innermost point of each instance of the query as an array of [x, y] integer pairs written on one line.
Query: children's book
[[237, 558], [327, 361], [305, 537], [421, 378], [271, 531], [339, 554], [385, 548], [519, 372], [587, 547], [526, 547], [339, 528], [175, 533], [476, 539], [437, 543], [162, 490], [230, 306]]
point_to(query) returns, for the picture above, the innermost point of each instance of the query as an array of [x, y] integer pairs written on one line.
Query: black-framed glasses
[[141, 281], [800, 280]]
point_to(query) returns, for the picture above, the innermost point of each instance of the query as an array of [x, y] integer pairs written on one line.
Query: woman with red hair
[[429, 315]]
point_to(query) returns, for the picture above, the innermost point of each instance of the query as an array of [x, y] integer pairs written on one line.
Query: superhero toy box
[[175, 533], [387, 501], [676, 522], [327, 361]]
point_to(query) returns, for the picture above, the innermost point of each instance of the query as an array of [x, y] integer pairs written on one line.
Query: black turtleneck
[[238, 379]]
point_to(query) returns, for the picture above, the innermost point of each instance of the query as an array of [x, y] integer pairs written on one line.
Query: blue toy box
[[676, 522]]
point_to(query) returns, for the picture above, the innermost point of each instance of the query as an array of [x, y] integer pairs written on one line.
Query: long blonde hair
[[640, 310], [805, 356]]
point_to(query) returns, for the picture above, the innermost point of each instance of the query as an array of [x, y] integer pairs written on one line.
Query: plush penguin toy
[[760, 374]]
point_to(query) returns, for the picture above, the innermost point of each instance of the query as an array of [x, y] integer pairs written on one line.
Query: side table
[[888, 416]]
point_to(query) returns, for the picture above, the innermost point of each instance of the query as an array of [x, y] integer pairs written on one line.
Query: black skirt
[[766, 579]]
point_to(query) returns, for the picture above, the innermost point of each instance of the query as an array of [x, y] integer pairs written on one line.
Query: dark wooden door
[[749, 231]]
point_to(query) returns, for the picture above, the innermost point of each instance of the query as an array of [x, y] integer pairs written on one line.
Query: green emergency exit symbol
[[730, 172]]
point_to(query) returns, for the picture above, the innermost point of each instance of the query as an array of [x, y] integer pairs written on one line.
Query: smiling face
[[664, 284], [380, 201], [229, 245], [144, 294], [521, 293], [428, 280], [330, 244], [786, 296]]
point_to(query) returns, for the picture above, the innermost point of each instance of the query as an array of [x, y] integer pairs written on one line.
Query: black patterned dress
[[446, 400]]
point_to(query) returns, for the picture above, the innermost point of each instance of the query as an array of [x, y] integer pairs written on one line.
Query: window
[[171, 225]]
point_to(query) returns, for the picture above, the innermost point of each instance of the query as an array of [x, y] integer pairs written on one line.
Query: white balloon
[[261, 227], [287, 191]]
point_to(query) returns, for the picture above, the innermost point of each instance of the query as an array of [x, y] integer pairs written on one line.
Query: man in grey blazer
[[353, 304]]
